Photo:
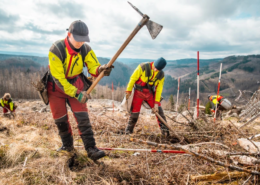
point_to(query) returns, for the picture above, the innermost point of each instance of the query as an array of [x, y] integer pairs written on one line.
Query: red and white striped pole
[[145, 150], [113, 95], [220, 70], [177, 104], [189, 100], [198, 84], [140, 150]]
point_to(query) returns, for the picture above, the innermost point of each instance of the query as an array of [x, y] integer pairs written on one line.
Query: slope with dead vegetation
[[28, 149]]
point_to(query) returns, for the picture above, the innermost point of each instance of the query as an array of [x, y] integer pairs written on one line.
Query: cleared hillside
[[28, 149]]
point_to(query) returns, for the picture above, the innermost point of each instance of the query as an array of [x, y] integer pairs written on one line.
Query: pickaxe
[[154, 30], [164, 122]]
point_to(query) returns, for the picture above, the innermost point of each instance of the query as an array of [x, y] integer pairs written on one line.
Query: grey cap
[[79, 31]]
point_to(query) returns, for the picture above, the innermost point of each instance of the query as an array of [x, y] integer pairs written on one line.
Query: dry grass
[[34, 136]]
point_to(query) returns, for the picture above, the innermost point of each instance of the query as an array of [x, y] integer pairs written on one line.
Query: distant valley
[[239, 73]]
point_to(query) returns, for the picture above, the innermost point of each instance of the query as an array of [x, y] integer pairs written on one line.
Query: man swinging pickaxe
[[154, 30]]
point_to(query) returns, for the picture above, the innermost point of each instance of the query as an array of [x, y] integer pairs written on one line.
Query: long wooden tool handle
[[164, 122], [130, 37]]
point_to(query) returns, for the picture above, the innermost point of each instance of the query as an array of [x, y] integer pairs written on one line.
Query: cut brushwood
[[248, 146], [179, 147], [218, 176]]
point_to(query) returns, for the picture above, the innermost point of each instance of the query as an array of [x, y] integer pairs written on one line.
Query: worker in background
[[215, 101], [7, 103], [147, 81]]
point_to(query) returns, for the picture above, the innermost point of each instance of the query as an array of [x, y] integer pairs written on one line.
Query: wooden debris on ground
[[218, 176]]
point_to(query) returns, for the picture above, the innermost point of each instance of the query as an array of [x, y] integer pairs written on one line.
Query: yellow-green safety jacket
[[71, 66], [214, 99], [141, 78], [7, 102]]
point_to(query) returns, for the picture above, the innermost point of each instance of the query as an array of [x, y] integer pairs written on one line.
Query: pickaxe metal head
[[153, 28]]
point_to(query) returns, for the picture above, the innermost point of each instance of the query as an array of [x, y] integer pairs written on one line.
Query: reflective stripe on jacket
[[72, 66], [215, 99], [7, 102], [139, 77]]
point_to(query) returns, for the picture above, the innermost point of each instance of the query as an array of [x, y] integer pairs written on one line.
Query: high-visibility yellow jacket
[[139, 77], [7, 102], [214, 99], [72, 66]]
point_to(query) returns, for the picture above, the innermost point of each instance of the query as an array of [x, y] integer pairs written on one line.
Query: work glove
[[107, 70], [127, 94], [83, 97], [155, 108]]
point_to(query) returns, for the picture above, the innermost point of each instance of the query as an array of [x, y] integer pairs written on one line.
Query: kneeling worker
[[7, 103], [215, 103], [147, 80]]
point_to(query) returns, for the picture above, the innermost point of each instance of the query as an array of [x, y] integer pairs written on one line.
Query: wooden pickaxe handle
[[166, 124], [109, 64]]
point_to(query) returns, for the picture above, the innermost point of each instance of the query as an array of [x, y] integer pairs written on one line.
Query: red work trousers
[[58, 100], [139, 97], [6, 110]]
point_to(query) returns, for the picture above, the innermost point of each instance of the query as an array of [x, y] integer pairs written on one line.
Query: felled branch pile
[[251, 110]]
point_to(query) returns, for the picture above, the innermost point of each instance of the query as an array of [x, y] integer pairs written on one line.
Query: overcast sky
[[213, 27]]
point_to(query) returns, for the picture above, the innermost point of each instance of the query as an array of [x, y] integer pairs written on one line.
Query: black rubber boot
[[94, 153], [164, 129], [67, 144], [131, 123], [65, 133], [87, 136], [85, 129]]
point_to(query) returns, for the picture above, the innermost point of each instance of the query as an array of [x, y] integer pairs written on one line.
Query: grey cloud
[[215, 9], [36, 29], [8, 22], [184, 33], [122, 23], [6, 19], [24, 43], [63, 9], [31, 27]]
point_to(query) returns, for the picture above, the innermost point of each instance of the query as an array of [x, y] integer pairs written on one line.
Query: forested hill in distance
[[120, 75], [239, 72], [175, 68]]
